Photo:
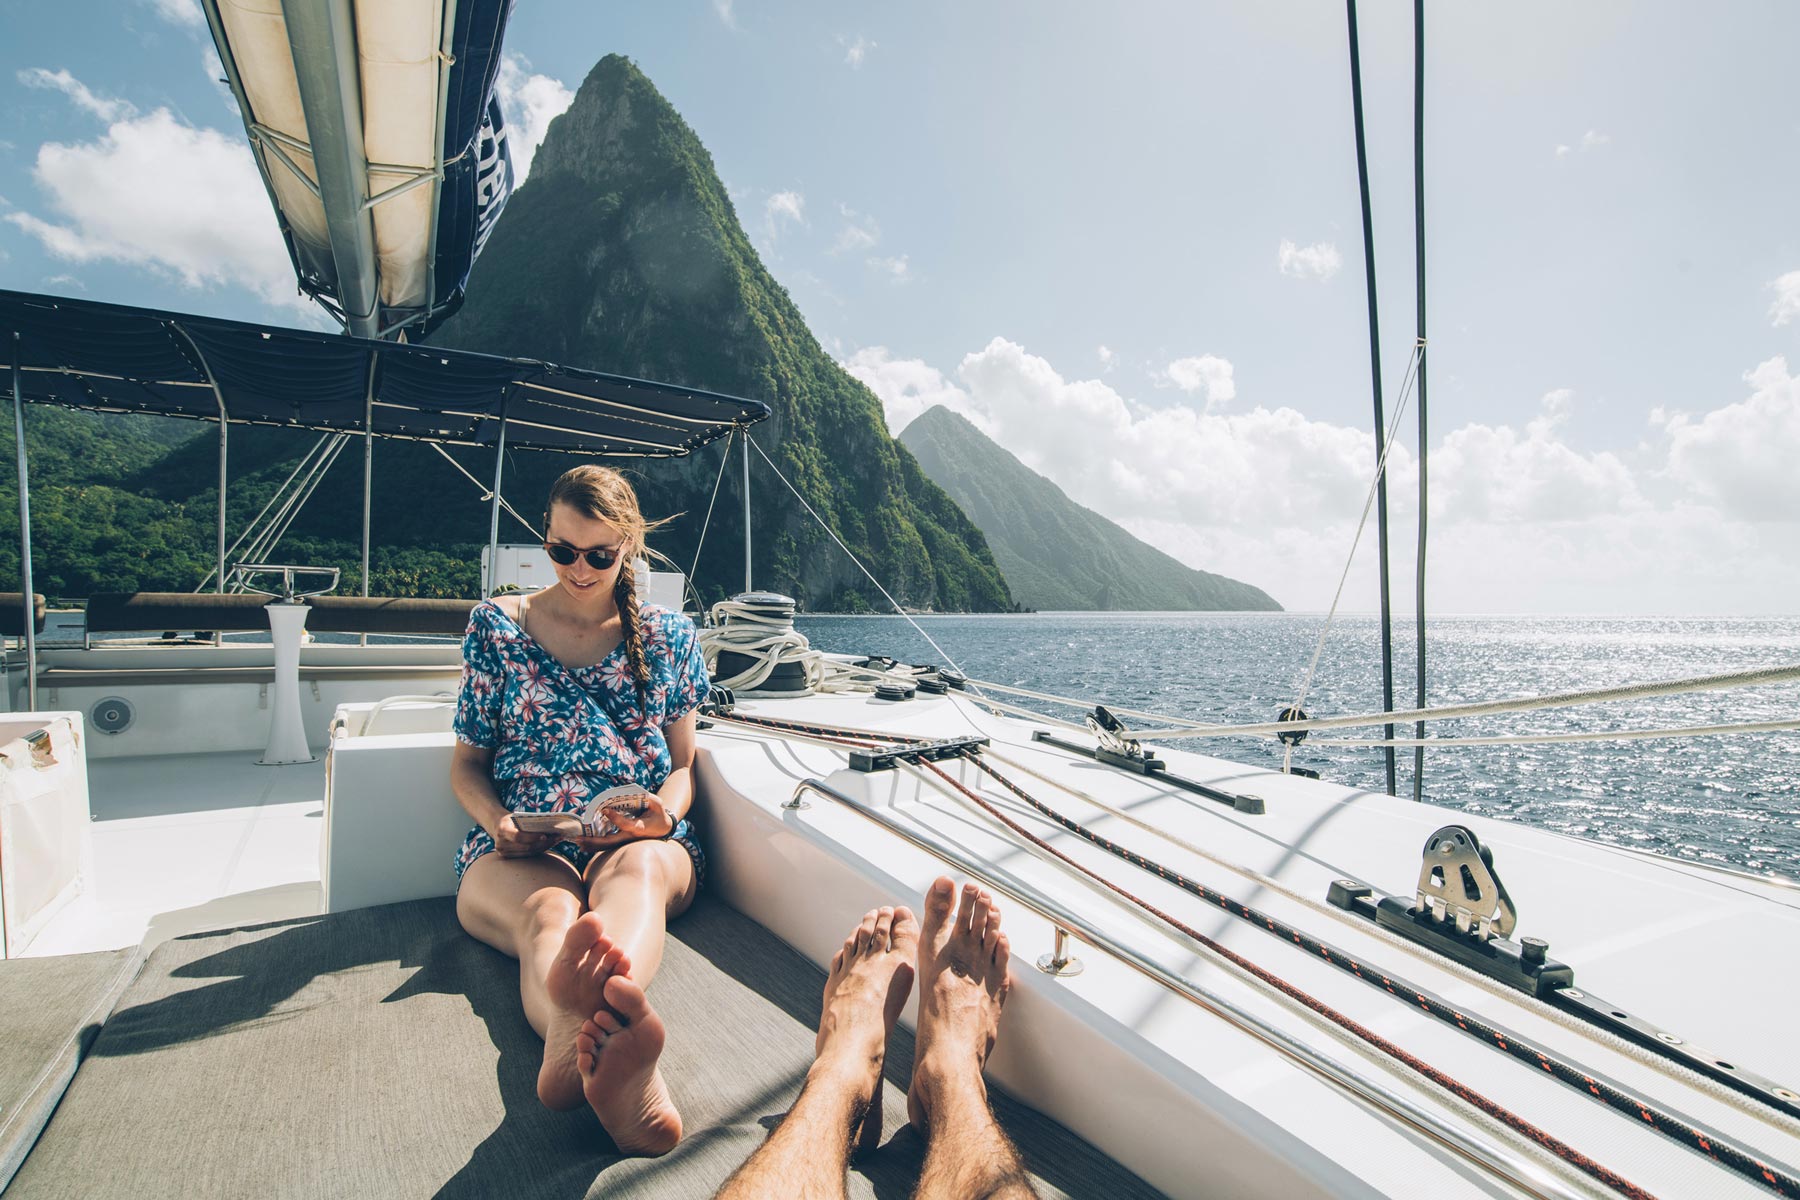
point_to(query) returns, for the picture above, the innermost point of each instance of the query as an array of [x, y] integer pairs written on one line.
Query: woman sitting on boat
[[566, 693]]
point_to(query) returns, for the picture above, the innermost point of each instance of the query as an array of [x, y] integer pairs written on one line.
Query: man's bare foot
[[577, 985], [962, 986], [616, 1053], [868, 985]]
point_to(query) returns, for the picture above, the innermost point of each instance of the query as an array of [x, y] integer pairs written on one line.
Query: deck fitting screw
[[1670, 1038], [1785, 1094], [1060, 962], [1572, 994]]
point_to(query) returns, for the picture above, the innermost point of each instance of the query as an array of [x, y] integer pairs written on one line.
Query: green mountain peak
[[622, 253]]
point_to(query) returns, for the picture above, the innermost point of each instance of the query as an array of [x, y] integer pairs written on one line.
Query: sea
[[1731, 800]]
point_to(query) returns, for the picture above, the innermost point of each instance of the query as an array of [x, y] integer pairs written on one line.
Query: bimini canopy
[[377, 133], [110, 358]]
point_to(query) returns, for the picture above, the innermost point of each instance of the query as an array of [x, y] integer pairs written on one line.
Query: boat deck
[[381, 1052], [188, 842]]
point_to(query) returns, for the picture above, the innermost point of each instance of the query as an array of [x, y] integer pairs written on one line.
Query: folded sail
[[380, 139]]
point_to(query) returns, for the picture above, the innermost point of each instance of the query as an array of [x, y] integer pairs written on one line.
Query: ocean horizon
[[1731, 801]]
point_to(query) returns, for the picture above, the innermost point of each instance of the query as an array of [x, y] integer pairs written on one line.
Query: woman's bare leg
[[633, 891], [530, 908]]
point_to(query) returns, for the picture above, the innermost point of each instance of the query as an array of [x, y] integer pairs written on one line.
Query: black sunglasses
[[564, 556]]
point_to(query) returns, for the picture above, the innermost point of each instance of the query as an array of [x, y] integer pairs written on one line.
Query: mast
[[1381, 516]]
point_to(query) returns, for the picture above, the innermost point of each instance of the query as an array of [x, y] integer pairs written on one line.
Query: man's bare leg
[[807, 1154], [963, 983]]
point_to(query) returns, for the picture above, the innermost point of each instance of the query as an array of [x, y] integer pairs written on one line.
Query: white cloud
[[68, 282], [1320, 260], [185, 13], [1107, 357], [1207, 375], [1590, 140], [1497, 473], [907, 387], [894, 267], [854, 51], [1741, 457], [1787, 298], [780, 208], [158, 193], [859, 232], [529, 103], [77, 91], [724, 9], [1703, 519]]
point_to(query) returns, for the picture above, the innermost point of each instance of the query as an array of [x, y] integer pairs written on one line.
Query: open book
[[626, 808]]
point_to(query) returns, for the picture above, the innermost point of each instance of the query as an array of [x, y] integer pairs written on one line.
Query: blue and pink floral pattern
[[561, 734]]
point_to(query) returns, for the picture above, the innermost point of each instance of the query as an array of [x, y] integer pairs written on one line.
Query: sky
[[1126, 241]]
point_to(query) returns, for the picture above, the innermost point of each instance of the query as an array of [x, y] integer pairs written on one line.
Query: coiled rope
[[769, 639]]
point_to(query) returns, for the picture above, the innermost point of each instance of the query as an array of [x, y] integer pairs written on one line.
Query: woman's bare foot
[[616, 1053], [577, 986], [962, 985], [868, 985]]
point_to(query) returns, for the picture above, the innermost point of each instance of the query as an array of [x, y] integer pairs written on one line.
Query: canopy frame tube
[[224, 424], [323, 39], [493, 556], [746, 433], [368, 468], [30, 601]]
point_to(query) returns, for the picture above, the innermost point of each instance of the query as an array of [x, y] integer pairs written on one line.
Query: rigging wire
[[487, 493], [724, 461], [1377, 487], [1457, 1088], [1680, 1129], [1381, 521], [1419, 262], [1758, 677], [273, 496], [859, 566]]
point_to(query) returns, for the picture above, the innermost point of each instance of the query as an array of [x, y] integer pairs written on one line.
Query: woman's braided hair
[[604, 494]]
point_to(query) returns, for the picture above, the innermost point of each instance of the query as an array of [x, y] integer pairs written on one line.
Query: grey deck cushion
[[50, 1013], [383, 1052]]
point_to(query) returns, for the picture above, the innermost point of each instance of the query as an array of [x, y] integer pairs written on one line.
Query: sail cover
[[111, 358], [378, 134]]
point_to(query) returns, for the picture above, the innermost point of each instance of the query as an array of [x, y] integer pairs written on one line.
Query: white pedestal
[[287, 734]]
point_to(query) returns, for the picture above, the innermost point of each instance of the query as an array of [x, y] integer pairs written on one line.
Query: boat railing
[[213, 612], [1516, 1169]]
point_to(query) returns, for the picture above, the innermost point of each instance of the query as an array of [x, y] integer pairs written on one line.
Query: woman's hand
[[513, 842], [637, 817]]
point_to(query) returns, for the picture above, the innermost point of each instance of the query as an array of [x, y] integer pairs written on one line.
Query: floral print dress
[[561, 734]]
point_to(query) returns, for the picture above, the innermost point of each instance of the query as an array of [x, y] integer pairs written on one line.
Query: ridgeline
[[623, 253], [1057, 554]]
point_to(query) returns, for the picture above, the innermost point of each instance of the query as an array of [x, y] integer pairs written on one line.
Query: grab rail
[[1510, 1166]]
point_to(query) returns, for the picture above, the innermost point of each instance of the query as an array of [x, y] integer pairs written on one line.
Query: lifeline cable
[[1462, 1091], [1683, 1131], [1682, 1073], [1718, 1148]]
